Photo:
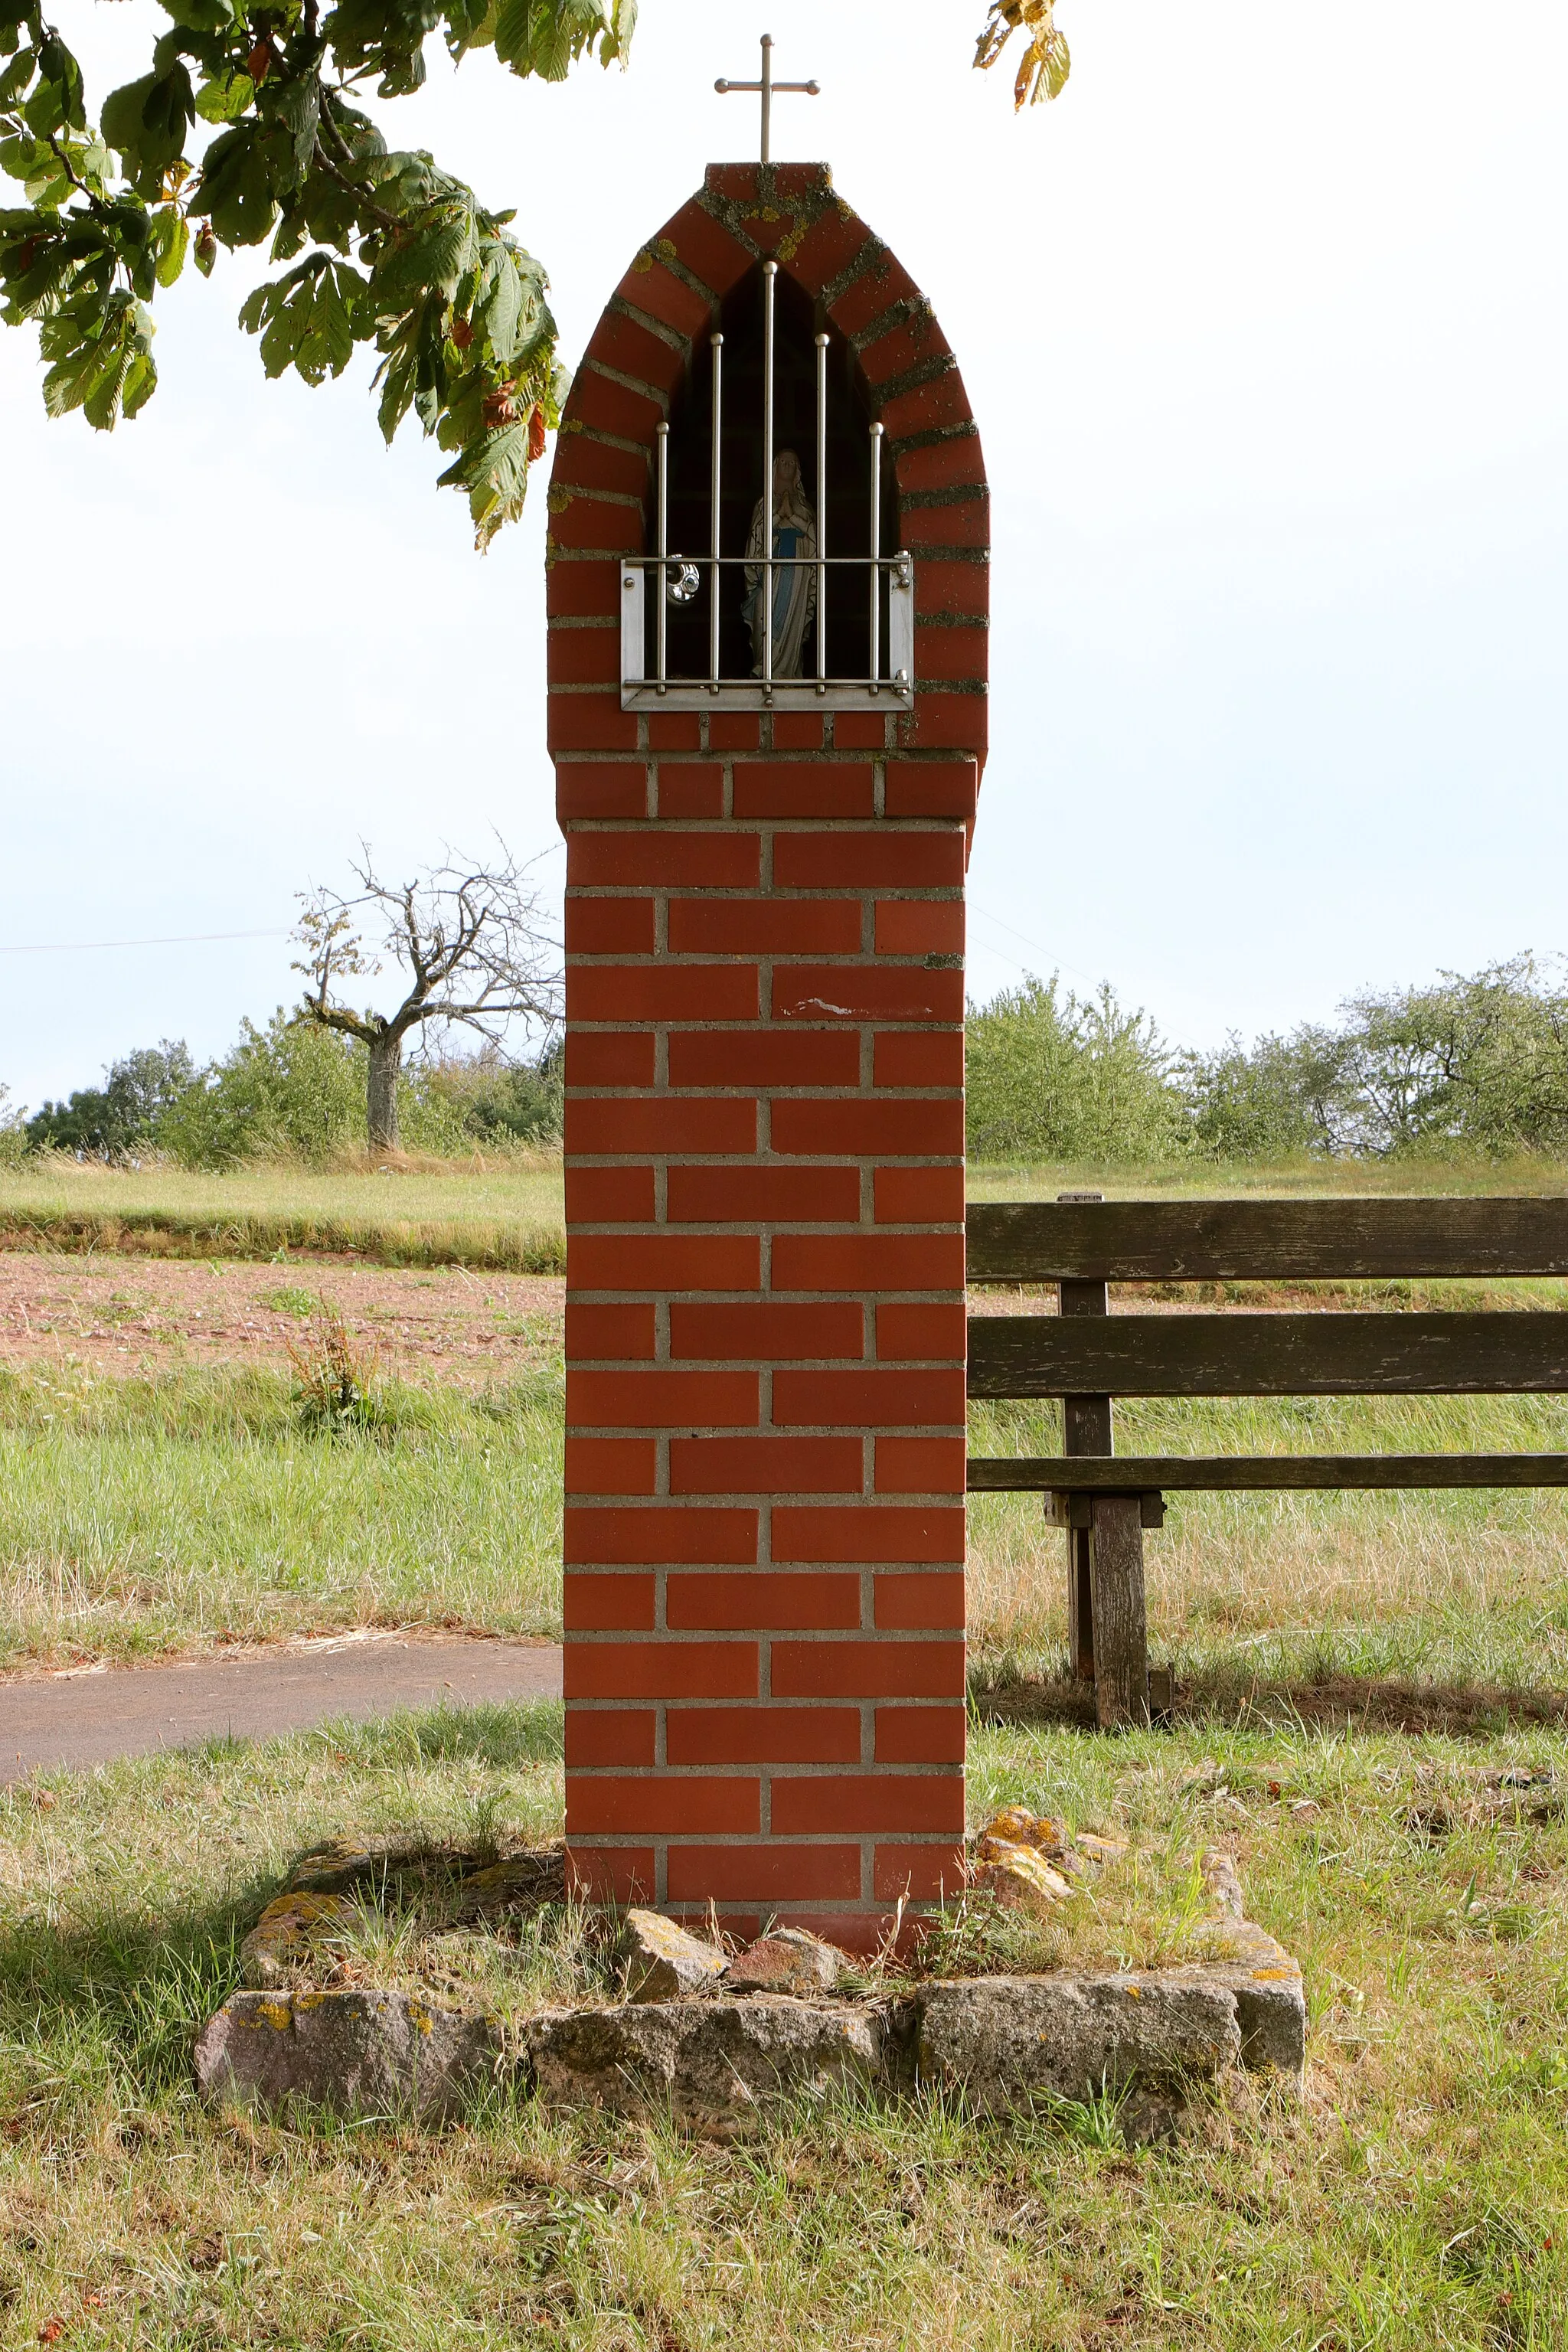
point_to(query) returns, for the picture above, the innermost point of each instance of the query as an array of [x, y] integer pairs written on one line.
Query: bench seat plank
[[1238, 1473], [1268, 1355], [1264, 1240]]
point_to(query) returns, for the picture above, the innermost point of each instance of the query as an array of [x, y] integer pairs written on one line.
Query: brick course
[[764, 1459]]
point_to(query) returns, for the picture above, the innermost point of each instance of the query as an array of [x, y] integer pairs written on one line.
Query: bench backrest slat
[[1268, 1355], [1264, 1240]]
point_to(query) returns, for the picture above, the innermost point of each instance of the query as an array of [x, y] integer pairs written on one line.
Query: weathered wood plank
[[1236, 1474], [1264, 1240], [1120, 1627], [1268, 1355], [1086, 1428]]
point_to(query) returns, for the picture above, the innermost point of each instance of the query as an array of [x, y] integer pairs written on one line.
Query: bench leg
[[1120, 1624], [1080, 1606]]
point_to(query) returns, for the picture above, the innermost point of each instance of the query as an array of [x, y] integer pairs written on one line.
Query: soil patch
[[145, 1315]]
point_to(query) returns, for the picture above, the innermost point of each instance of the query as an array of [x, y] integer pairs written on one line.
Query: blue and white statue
[[794, 573]]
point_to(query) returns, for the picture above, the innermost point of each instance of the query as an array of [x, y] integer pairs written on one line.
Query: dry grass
[[1454, 1587], [1292, 1179]]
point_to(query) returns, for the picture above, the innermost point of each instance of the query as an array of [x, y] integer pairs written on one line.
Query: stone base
[[716, 2066]]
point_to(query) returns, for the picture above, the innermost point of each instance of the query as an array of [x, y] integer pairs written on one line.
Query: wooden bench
[[1087, 1357]]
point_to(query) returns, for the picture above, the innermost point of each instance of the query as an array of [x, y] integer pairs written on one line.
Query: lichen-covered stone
[[1270, 1999], [521, 1882], [789, 1961], [284, 1936], [661, 1961], [1018, 1876], [1001, 2040], [1099, 1849], [713, 2066], [347, 2053], [1016, 1826]]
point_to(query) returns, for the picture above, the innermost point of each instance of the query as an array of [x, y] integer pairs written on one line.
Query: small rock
[[351, 2053], [713, 2066], [1099, 1849], [1002, 2039], [788, 1961], [1015, 1825], [662, 1961], [1225, 1887], [284, 1934], [1019, 1875]]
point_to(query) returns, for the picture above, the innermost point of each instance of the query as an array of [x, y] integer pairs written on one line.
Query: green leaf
[[203, 15], [298, 106], [169, 235], [100, 363], [147, 120], [17, 76], [236, 190], [225, 98]]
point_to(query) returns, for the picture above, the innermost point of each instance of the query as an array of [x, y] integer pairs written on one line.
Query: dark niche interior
[[797, 321]]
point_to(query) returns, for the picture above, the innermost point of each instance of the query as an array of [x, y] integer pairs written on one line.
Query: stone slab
[[1004, 2039], [713, 2065], [347, 2053]]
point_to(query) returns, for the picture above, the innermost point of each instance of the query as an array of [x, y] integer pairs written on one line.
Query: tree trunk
[[381, 1103]]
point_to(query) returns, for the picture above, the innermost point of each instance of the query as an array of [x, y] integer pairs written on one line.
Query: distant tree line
[[291, 1090], [1474, 1064]]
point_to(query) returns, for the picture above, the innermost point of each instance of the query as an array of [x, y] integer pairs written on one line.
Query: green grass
[[1418, 2202], [145, 1514], [139, 1516], [510, 1219]]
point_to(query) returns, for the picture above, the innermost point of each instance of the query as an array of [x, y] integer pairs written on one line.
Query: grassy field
[[209, 1506], [138, 1517], [510, 1214], [1418, 2202], [507, 1216]]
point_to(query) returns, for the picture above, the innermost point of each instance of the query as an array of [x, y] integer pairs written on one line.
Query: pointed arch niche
[[649, 365]]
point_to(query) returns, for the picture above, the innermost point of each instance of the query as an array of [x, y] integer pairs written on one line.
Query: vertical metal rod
[[767, 95], [663, 433], [717, 343], [769, 276], [821, 514], [876, 665]]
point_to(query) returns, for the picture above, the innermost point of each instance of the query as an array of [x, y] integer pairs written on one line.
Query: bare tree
[[473, 940]]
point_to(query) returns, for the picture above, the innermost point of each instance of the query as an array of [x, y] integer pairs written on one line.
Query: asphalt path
[[82, 1718]]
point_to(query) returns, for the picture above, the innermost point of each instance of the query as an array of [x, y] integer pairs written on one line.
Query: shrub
[[1055, 1076], [1274, 1100], [499, 1102], [111, 1119]]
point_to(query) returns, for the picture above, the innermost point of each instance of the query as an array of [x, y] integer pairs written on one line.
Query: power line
[[1051, 957], [92, 947]]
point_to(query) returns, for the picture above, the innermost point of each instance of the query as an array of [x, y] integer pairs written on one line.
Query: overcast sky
[[1264, 324]]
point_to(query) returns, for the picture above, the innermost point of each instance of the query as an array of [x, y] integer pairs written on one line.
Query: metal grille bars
[[678, 580]]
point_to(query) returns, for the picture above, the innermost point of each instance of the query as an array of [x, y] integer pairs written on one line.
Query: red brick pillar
[[764, 1172]]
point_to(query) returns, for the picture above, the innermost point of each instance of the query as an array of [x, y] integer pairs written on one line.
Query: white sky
[[1264, 323]]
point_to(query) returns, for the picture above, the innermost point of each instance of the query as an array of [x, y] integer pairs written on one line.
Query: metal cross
[[767, 87]]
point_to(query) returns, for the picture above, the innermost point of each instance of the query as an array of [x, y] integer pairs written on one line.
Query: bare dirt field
[[145, 1315]]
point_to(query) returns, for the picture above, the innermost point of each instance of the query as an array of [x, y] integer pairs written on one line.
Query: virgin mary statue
[[795, 570]]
